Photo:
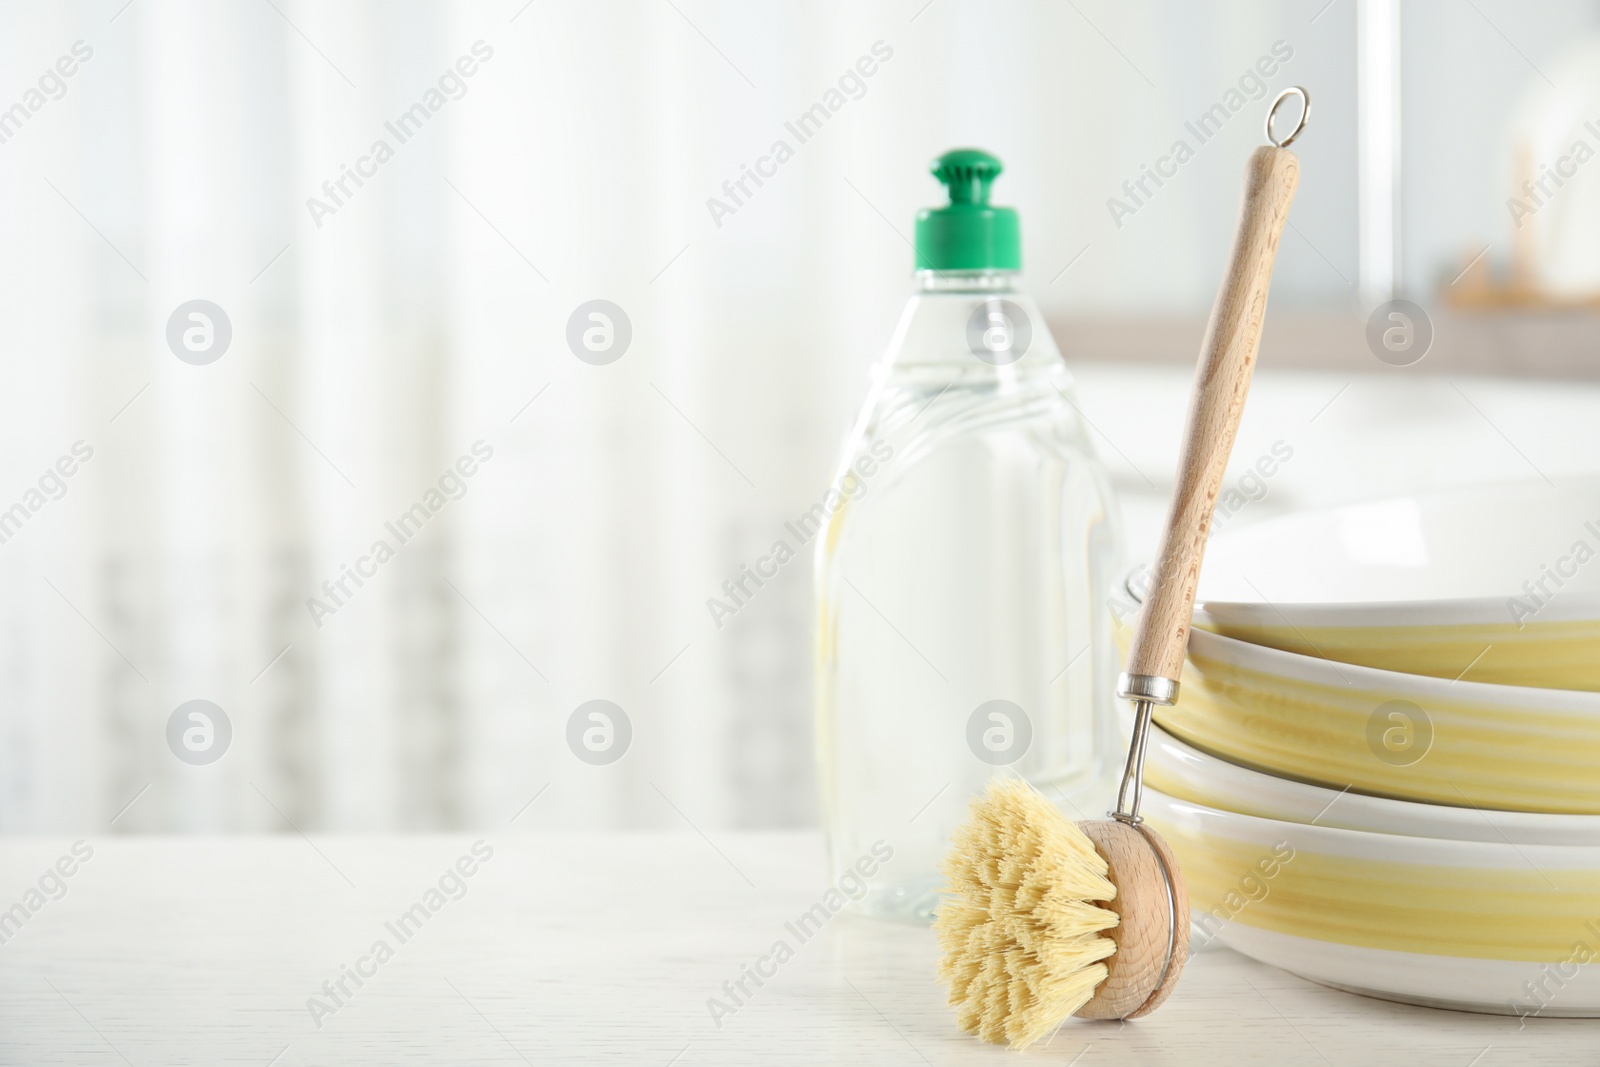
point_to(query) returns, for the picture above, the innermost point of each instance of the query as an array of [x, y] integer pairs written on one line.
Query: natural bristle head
[[1022, 929]]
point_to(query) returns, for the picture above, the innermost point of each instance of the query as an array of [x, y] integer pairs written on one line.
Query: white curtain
[[380, 333]]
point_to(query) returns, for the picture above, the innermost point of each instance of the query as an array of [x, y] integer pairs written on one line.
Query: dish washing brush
[[1047, 919]]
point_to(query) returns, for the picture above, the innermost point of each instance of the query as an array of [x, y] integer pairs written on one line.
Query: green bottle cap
[[968, 234]]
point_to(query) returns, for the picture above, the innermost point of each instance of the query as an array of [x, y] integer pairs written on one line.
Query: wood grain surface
[[1222, 381], [1135, 985]]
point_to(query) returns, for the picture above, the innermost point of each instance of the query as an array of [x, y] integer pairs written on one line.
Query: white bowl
[[1187, 773], [1472, 925], [1499, 583]]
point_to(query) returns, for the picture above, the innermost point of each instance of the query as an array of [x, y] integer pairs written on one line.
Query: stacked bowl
[[1383, 769]]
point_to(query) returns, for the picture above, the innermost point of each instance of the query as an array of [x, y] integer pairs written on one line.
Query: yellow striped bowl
[[1184, 771], [1473, 925], [1497, 584], [1389, 734]]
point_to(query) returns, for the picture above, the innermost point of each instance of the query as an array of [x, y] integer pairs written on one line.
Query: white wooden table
[[586, 949]]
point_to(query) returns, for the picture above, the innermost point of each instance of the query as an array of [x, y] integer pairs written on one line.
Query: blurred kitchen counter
[[1550, 342], [1367, 433], [583, 948]]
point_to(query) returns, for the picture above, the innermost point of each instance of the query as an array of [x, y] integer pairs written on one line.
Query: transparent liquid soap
[[961, 590]]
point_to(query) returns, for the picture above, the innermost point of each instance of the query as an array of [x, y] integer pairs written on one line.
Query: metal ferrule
[[1156, 690]]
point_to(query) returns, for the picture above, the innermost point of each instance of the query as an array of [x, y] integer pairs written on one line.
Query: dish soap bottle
[[962, 582]]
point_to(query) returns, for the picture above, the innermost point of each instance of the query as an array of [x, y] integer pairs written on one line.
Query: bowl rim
[[1512, 827], [1323, 671], [1365, 845], [1461, 613]]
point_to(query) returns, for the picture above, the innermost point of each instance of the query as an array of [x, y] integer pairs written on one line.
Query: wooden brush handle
[[1227, 358]]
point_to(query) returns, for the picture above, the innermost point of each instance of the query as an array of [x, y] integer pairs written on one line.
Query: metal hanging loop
[[1305, 113]]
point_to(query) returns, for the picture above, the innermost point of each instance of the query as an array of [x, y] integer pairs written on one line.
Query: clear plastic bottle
[[962, 582]]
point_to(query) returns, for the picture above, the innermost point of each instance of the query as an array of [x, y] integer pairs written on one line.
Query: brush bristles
[[1021, 932]]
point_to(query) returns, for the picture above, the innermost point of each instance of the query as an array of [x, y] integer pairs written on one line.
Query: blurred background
[[378, 321]]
